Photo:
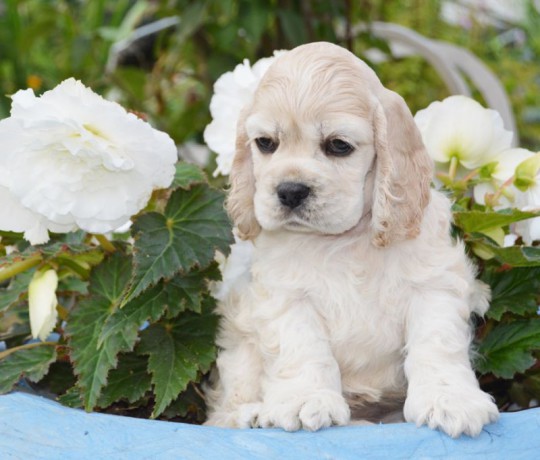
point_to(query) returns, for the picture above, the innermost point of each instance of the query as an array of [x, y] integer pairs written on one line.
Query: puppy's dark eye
[[337, 148], [266, 145]]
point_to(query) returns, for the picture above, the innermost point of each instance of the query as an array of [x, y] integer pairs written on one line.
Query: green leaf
[[178, 352], [92, 363], [514, 256], [512, 290], [12, 294], [193, 227], [186, 175], [254, 18], [477, 221], [189, 403], [176, 295], [33, 363], [508, 348], [125, 322], [293, 27], [129, 381], [187, 292], [71, 398]]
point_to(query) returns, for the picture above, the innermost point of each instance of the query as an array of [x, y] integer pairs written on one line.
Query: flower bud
[[526, 171], [42, 303]]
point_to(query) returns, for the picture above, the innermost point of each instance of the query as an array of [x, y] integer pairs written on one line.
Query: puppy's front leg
[[443, 391], [303, 385], [235, 400]]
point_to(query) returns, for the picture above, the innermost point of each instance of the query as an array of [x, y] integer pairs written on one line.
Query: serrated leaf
[[187, 292], [126, 321], [71, 398], [33, 363], [92, 363], [129, 381], [178, 352], [186, 175], [84, 252], [177, 295], [514, 290], [514, 256], [478, 221], [188, 403], [187, 235], [508, 348], [11, 294]]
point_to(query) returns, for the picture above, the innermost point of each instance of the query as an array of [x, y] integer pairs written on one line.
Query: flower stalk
[[454, 161], [21, 266], [105, 243], [26, 346]]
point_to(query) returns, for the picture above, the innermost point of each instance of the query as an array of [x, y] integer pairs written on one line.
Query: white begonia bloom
[[232, 91], [459, 127], [529, 201], [42, 303], [70, 160], [507, 161], [235, 269]]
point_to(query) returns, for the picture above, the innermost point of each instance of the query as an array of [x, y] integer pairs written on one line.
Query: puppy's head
[[323, 146]]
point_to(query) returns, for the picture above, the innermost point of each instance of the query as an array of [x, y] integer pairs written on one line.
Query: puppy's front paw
[[244, 416], [453, 410], [312, 411]]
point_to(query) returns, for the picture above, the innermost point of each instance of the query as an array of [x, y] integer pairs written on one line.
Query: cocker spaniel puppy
[[358, 296]]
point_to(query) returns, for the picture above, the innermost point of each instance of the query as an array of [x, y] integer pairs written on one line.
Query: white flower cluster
[[232, 91], [72, 160], [471, 142]]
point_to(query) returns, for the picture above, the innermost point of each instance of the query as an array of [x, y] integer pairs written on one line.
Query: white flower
[[235, 269], [460, 128], [42, 303], [509, 163], [193, 152], [232, 91], [529, 201], [505, 168], [71, 159]]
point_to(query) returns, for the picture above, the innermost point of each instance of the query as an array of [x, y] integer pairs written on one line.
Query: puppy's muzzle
[[292, 194]]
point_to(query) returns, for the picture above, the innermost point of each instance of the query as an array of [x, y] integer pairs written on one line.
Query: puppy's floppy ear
[[239, 201], [403, 172]]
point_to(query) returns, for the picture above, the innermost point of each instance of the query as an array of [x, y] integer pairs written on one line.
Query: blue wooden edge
[[32, 427]]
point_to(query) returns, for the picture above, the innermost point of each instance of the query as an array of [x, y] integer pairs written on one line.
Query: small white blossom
[[73, 160], [235, 269], [42, 303], [505, 168], [529, 201], [459, 127], [232, 91]]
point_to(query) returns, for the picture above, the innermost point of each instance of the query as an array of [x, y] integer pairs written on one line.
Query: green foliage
[[508, 348], [512, 290], [128, 338], [192, 227], [31, 361]]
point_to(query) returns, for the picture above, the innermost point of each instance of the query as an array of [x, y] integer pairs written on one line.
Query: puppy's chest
[[352, 297]]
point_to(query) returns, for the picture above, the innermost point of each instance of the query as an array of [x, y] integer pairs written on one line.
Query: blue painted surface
[[32, 427]]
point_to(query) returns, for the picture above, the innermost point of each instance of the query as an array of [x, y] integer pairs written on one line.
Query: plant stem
[[501, 190], [453, 168], [18, 267], [26, 346], [105, 243], [471, 175]]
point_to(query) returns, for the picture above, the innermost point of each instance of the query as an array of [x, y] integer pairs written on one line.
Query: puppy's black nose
[[291, 194]]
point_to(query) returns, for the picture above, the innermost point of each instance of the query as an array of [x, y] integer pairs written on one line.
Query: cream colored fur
[[359, 296]]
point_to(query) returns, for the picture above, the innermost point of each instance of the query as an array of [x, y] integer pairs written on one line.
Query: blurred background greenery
[[169, 76]]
